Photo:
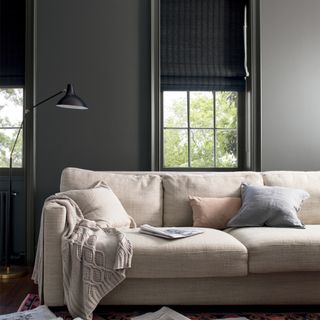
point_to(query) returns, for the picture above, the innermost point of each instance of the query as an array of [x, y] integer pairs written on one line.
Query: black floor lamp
[[70, 101]]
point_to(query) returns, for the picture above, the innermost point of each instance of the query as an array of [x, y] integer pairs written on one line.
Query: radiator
[[4, 206]]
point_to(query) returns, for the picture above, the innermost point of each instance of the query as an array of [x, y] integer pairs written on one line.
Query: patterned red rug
[[32, 301], [214, 315]]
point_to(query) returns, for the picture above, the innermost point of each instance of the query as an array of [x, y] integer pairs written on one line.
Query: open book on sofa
[[170, 232]]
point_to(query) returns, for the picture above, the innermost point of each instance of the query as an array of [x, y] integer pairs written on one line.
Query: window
[[12, 78], [200, 129], [203, 79], [11, 114]]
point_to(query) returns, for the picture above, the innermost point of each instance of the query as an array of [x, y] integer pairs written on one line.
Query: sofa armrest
[[54, 222]]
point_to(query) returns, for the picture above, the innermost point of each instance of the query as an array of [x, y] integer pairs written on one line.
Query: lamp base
[[12, 272]]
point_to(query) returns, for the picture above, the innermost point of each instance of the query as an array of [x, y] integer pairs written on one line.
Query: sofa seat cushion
[[213, 253], [281, 249]]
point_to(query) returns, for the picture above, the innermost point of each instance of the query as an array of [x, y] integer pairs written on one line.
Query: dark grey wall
[[290, 51], [103, 48]]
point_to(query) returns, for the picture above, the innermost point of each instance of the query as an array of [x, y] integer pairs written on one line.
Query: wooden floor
[[12, 293]]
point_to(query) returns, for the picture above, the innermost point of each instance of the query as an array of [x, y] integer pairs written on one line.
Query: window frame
[[240, 129], [16, 171], [27, 171], [249, 119]]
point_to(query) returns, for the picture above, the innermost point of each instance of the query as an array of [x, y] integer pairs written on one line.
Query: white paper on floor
[[166, 313], [39, 313]]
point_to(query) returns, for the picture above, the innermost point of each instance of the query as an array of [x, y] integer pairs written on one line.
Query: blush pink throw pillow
[[213, 212]]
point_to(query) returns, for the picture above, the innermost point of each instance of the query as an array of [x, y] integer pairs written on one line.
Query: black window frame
[[16, 171], [249, 116], [13, 58], [240, 134]]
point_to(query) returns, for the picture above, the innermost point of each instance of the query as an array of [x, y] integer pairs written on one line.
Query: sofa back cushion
[[140, 193], [308, 181], [178, 187]]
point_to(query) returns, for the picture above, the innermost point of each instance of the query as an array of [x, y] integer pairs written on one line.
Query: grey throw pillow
[[269, 206]]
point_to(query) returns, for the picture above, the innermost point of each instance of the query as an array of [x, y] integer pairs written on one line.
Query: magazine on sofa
[[170, 232]]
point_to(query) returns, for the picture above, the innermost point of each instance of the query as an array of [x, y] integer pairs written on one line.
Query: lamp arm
[[15, 142], [24, 116], [43, 101]]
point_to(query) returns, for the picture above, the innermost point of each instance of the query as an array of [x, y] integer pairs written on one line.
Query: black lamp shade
[[71, 100]]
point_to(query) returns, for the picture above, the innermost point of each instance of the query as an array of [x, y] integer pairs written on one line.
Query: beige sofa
[[231, 267]]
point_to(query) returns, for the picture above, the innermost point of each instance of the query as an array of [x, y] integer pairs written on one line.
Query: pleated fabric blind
[[12, 42], [202, 45]]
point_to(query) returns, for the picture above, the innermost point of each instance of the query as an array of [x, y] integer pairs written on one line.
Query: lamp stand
[[12, 272], [70, 101], [9, 271]]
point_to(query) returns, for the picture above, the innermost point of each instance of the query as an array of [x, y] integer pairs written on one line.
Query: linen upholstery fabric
[[308, 181], [140, 194], [54, 222], [270, 206], [94, 260], [213, 253], [178, 187], [281, 249], [100, 204], [294, 288], [213, 212]]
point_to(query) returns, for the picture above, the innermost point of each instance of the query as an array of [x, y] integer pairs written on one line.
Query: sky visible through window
[[9, 109]]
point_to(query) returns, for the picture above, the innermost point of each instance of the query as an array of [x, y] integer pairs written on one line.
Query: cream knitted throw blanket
[[94, 259]]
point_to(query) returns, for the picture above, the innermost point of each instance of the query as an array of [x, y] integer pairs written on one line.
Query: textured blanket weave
[[94, 260]]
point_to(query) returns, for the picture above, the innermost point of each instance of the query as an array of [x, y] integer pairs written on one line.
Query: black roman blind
[[202, 45], [12, 42]]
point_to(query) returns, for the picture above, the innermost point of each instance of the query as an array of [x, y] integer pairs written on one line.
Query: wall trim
[[253, 96], [155, 84], [29, 148], [254, 89]]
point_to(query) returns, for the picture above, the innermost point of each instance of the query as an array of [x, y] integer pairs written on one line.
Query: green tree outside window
[[11, 113], [206, 120]]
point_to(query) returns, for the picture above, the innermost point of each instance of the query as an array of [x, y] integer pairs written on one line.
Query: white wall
[[290, 55]]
